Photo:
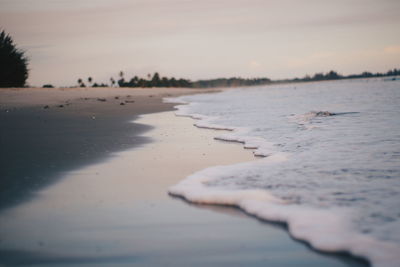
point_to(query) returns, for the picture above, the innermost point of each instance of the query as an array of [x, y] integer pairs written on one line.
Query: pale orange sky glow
[[69, 39]]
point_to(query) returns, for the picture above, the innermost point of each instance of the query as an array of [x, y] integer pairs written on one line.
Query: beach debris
[[46, 107], [129, 101], [60, 106], [117, 97], [323, 113], [151, 95], [101, 99], [122, 103], [129, 96], [93, 117]]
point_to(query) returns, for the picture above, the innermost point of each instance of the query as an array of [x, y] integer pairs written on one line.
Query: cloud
[[393, 49]]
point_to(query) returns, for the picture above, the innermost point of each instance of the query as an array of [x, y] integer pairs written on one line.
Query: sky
[[201, 39]]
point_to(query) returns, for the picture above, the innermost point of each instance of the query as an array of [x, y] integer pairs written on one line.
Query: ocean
[[329, 161]]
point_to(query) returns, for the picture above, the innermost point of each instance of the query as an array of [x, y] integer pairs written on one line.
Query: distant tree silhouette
[[142, 83], [100, 85], [318, 77], [134, 81], [90, 80], [393, 72], [367, 74], [332, 75], [227, 82], [121, 81], [13, 63], [112, 81], [173, 82], [165, 82], [155, 81]]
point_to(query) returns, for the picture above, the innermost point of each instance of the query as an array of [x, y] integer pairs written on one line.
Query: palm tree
[[13, 63], [112, 81], [155, 81], [121, 82], [80, 81], [90, 80]]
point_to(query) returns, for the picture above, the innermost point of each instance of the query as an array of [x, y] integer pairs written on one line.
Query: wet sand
[[114, 210], [46, 132]]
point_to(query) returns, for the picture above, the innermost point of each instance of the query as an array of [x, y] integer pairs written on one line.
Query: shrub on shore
[[13, 63]]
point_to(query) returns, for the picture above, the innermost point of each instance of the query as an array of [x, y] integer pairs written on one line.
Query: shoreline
[[86, 199]]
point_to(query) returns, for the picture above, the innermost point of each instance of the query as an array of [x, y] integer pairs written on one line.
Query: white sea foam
[[325, 230], [261, 146], [321, 181]]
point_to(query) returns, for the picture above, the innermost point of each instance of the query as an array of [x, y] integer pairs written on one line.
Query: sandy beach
[[85, 174], [199, 133], [67, 128]]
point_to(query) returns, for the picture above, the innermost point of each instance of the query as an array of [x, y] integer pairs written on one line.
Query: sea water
[[330, 165]]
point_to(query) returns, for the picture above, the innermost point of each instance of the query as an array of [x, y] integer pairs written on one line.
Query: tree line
[[333, 75], [230, 82], [156, 80]]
